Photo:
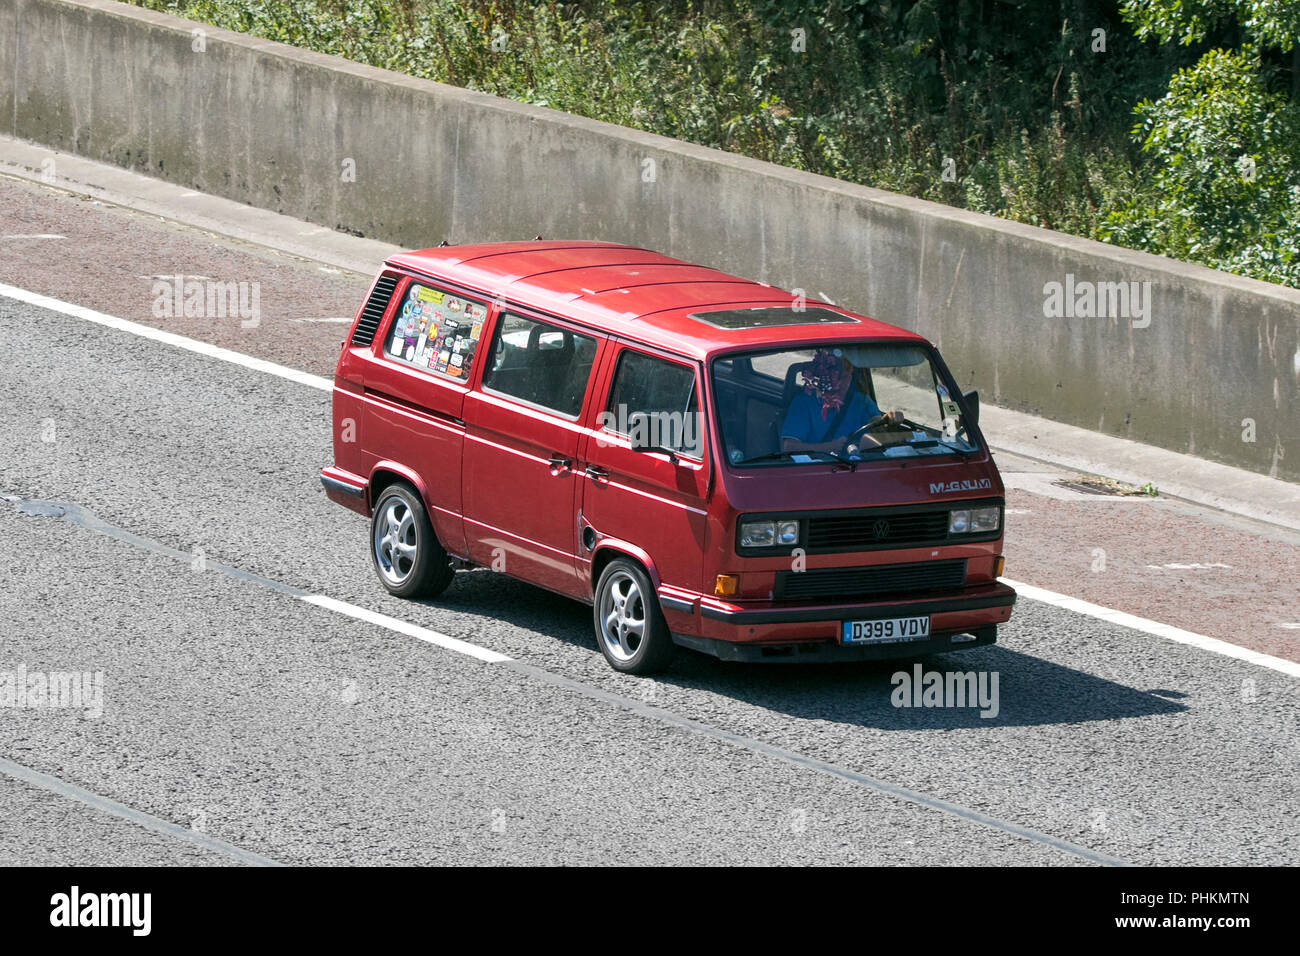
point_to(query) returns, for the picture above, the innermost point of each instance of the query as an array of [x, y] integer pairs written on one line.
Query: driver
[[832, 406]]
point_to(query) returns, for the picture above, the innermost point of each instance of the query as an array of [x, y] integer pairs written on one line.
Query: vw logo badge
[[880, 530]]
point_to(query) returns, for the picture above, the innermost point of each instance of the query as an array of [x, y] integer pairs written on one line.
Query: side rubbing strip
[[333, 484], [374, 310]]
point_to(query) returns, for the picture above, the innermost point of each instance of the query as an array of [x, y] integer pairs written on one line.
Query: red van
[[708, 461]]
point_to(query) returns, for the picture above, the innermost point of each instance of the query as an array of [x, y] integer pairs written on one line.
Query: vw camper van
[[708, 461]]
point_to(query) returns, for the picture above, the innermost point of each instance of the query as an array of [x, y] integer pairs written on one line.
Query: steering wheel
[[859, 433]]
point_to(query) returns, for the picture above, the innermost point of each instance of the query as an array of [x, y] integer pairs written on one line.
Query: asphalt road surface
[[164, 533]]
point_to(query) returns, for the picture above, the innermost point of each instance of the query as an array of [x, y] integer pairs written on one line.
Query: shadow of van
[[878, 694]]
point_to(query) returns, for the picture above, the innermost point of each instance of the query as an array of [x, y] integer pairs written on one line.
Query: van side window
[[663, 390], [436, 331], [540, 363]]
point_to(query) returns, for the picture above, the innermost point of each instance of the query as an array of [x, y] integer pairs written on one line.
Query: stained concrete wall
[[276, 127]]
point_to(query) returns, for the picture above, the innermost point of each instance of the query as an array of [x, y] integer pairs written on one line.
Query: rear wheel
[[408, 558], [630, 627]]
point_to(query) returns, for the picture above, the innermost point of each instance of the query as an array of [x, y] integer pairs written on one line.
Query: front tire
[[630, 627], [407, 555]]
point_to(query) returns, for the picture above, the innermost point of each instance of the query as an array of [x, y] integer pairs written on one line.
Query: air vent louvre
[[374, 309]]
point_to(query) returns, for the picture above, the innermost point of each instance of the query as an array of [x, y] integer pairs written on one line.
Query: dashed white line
[[33, 235], [70, 511], [403, 627]]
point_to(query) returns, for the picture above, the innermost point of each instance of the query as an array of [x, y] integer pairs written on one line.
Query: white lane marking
[[1168, 632], [86, 519], [338, 319], [442, 640], [402, 627], [1289, 625], [167, 338], [33, 235], [1194, 566]]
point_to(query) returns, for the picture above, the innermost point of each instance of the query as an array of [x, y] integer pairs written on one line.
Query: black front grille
[[868, 531], [374, 310], [880, 581]]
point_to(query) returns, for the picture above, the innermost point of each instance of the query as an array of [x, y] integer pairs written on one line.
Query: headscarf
[[824, 379]]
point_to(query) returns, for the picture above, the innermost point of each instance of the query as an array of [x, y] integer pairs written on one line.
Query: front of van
[[858, 512]]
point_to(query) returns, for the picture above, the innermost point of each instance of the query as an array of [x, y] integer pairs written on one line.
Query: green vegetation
[[1166, 125]]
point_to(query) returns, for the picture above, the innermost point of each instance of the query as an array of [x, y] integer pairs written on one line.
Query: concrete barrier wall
[[280, 128]]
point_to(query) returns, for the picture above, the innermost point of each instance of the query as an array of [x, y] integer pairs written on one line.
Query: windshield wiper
[[770, 456], [851, 463]]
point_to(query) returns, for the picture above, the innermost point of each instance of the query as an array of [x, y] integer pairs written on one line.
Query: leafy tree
[[1225, 140], [1268, 22]]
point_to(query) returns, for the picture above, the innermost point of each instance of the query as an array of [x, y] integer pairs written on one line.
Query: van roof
[[643, 295]]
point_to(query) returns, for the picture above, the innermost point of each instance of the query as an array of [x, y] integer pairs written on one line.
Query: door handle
[[559, 464], [596, 473]]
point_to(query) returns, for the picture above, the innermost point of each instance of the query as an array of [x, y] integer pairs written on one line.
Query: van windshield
[[852, 402]]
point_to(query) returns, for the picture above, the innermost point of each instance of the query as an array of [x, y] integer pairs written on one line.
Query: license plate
[[894, 630]]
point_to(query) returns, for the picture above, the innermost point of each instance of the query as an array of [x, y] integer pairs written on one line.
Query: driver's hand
[[894, 417]]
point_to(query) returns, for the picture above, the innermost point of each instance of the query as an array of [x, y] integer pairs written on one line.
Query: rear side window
[[436, 331], [662, 390], [540, 363]]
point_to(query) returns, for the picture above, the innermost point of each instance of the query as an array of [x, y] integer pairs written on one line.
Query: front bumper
[[811, 633], [827, 652]]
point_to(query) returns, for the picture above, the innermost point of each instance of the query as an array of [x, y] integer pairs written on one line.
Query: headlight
[[758, 534], [976, 520], [768, 534]]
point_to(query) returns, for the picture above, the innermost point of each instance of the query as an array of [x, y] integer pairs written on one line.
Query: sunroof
[[768, 317]]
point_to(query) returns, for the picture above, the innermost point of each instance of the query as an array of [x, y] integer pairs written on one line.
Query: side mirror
[[972, 399]]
